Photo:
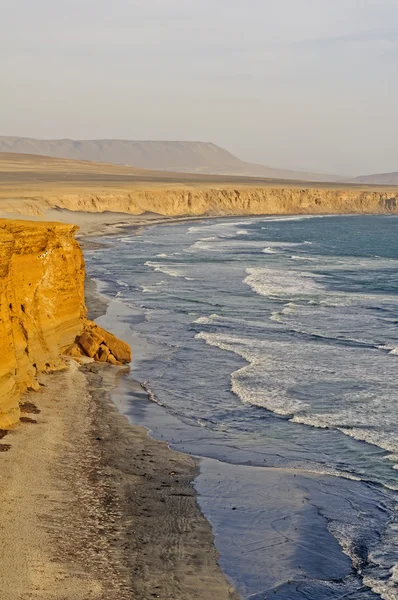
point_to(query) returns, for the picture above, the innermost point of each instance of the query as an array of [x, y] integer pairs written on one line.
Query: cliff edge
[[195, 202], [39, 187], [42, 310]]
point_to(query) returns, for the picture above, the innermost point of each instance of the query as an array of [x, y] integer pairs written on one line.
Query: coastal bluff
[[47, 188], [42, 308], [208, 201]]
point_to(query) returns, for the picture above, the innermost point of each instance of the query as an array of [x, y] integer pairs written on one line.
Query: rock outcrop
[[99, 344], [42, 310]]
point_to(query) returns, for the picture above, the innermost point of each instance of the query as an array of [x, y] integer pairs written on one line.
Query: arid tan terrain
[[378, 179], [180, 156], [91, 507], [34, 186]]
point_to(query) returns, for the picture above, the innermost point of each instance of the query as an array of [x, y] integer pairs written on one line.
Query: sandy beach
[[198, 300], [92, 507]]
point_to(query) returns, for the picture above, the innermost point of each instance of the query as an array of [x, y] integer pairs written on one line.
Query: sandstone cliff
[[42, 310], [197, 201], [34, 185]]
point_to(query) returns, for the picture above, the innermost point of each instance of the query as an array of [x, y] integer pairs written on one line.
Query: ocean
[[269, 349]]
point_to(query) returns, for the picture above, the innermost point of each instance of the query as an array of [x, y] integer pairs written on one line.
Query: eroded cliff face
[[42, 310], [197, 201], [41, 304]]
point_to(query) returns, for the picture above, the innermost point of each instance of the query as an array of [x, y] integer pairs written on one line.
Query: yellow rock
[[89, 343], [41, 304], [103, 353], [75, 351], [112, 360], [120, 350], [42, 308]]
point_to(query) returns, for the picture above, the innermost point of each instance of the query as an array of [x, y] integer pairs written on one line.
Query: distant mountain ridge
[[183, 157], [377, 179]]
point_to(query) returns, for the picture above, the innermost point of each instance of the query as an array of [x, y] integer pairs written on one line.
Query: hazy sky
[[306, 84]]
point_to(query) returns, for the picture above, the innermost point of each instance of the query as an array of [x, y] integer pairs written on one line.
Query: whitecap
[[390, 349], [210, 320], [147, 289], [281, 283], [298, 257], [166, 269], [243, 381], [217, 226]]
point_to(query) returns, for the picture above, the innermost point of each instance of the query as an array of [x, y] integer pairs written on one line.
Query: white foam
[[208, 320], [390, 349], [382, 439], [271, 397], [289, 309], [224, 244], [277, 247], [298, 257], [221, 226], [217, 320], [281, 283], [346, 534], [128, 240], [167, 270], [203, 244], [152, 289], [292, 218], [147, 289], [276, 316], [228, 242], [134, 239], [385, 589], [360, 401]]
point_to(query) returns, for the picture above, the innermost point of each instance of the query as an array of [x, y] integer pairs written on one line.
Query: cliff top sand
[[34, 174], [40, 187]]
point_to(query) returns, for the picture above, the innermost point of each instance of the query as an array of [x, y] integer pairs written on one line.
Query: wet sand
[[273, 525], [103, 224], [93, 508]]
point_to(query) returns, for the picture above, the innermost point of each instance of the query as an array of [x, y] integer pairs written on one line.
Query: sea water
[[272, 353]]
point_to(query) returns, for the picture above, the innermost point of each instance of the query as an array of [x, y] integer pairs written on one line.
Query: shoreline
[[177, 492], [92, 507], [116, 507], [311, 522], [110, 513]]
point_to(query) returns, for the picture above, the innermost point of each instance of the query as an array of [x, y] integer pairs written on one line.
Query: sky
[[302, 84]]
